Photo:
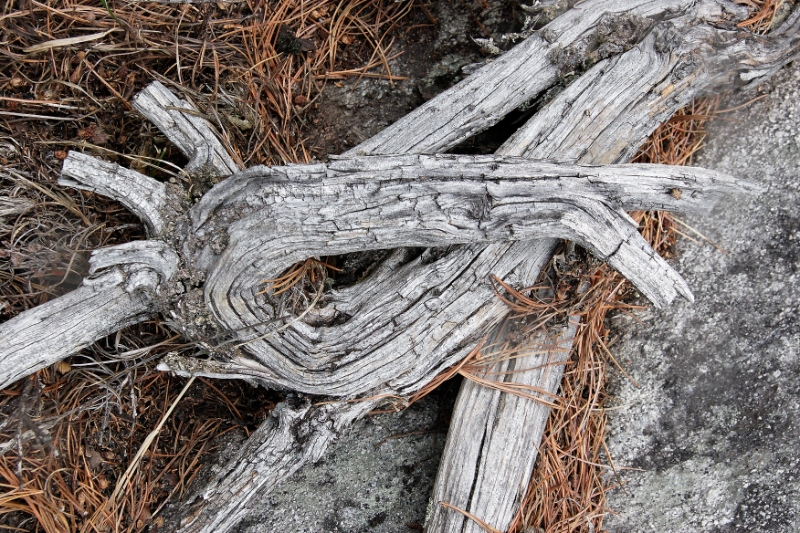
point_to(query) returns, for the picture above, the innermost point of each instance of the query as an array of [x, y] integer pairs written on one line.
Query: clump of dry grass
[[70, 431], [762, 14], [253, 68]]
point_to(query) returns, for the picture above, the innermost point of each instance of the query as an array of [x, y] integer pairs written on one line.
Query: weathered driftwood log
[[257, 223], [578, 47], [481, 471]]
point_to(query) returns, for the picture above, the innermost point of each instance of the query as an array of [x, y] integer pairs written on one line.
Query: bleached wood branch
[[592, 120], [492, 443], [273, 217], [290, 438], [119, 292], [192, 134], [602, 117], [519, 75], [273, 221], [269, 218], [537, 431], [143, 196]]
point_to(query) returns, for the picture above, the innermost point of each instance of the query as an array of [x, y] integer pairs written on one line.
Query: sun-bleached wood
[[192, 134], [591, 120], [145, 197], [491, 445], [270, 218], [119, 292], [511, 80], [277, 216], [415, 131], [290, 438], [462, 313]]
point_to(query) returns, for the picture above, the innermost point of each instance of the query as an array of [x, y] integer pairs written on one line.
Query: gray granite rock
[[377, 478], [713, 425]]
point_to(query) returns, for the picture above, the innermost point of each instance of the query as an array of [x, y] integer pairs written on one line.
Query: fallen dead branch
[[161, 270]]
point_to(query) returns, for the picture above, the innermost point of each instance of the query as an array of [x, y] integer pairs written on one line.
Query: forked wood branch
[[602, 117], [415, 315], [257, 223]]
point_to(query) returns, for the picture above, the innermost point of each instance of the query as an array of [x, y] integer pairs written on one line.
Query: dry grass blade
[[123, 484], [312, 270], [762, 14], [69, 41], [472, 517]]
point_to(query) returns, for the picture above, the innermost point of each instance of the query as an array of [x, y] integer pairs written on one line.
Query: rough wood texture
[[592, 120], [290, 438], [119, 292], [435, 306], [193, 135], [518, 76], [276, 217], [602, 117], [271, 217], [491, 445], [267, 219], [143, 196]]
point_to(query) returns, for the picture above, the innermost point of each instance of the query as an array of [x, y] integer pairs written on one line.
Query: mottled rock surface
[[376, 479], [713, 425]]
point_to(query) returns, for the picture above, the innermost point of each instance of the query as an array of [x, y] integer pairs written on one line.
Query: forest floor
[[282, 82]]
